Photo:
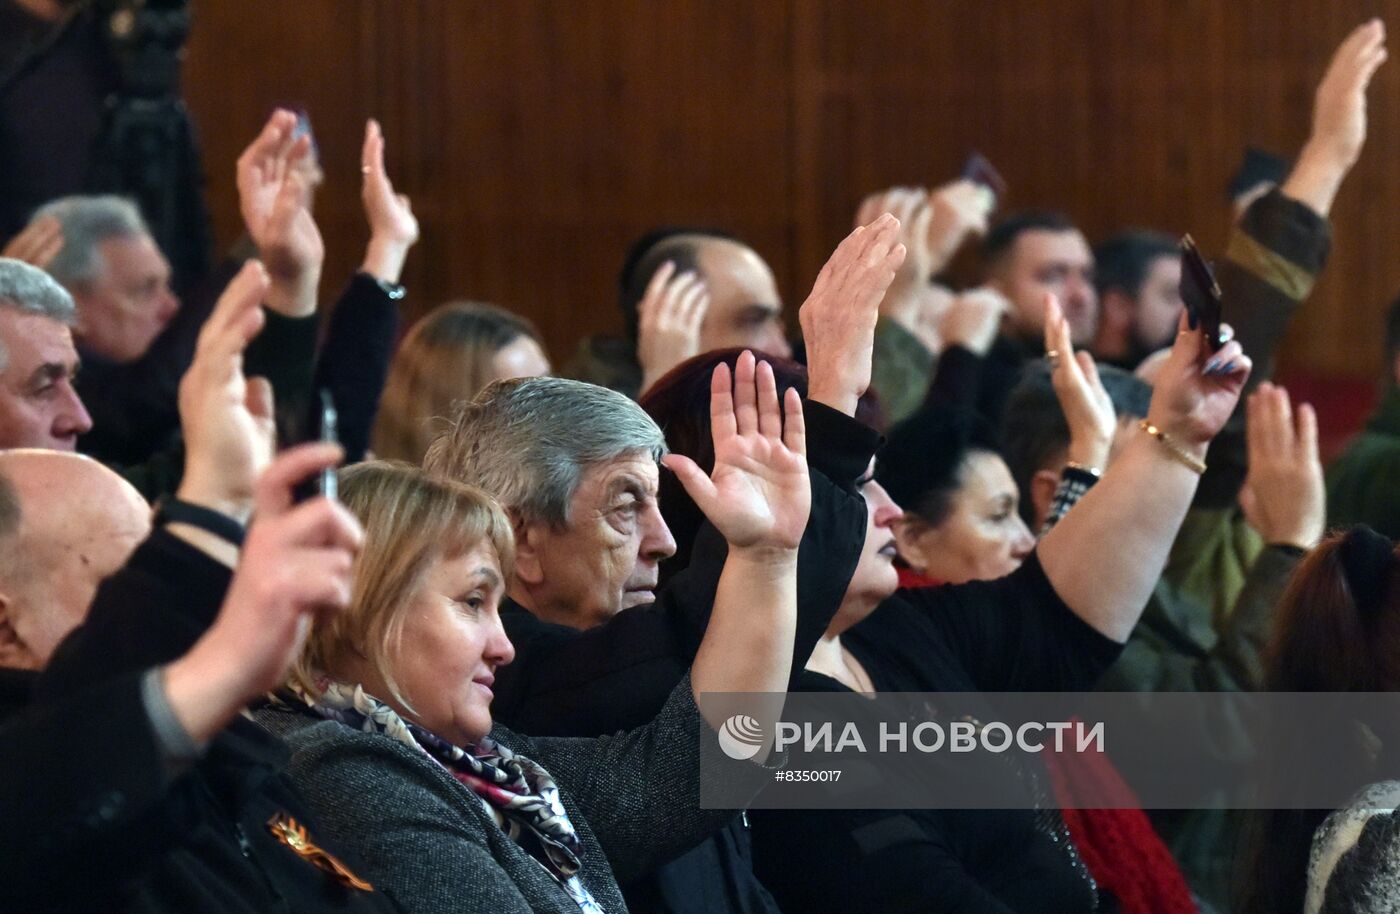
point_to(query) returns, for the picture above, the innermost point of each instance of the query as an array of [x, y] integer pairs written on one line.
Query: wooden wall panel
[[538, 137]]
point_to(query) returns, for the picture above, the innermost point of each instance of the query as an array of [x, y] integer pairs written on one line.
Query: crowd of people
[[305, 615]]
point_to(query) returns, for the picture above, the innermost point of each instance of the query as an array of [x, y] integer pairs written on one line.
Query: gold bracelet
[[1196, 465]]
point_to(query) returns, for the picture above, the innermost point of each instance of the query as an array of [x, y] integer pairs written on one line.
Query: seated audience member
[[694, 290], [1054, 624], [38, 406], [964, 526], [116, 273], [1138, 276], [1259, 172], [960, 520], [121, 283], [450, 354], [394, 700], [1363, 483], [558, 455], [1028, 255], [66, 522], [183, 808], [1336, 631], [1040, 447], [1211, 610], [940, 639]]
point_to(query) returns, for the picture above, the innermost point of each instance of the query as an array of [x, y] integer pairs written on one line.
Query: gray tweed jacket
[[425, 840]]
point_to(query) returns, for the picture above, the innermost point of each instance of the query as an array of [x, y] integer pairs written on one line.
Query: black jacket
[[96, 816], [566, 682]]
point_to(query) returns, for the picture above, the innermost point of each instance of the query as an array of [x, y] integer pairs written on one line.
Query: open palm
[[758, 495]]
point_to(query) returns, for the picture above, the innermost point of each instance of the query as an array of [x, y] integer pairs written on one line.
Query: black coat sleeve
[[618, 676], [354, 360], [149, 613], [86, 790]]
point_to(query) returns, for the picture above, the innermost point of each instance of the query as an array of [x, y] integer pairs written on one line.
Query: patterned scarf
[[518, 794]]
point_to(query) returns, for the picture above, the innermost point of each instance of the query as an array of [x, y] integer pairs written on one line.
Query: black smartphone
[[980, 171], [1200, 293]]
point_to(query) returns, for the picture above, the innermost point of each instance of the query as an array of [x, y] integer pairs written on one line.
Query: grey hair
[[528, 441], [29, 290], [88, 221]]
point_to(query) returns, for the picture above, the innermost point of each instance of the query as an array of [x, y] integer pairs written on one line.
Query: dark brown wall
[[536, 138]]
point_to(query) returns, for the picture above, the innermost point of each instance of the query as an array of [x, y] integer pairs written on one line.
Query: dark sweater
[[1014, 634]]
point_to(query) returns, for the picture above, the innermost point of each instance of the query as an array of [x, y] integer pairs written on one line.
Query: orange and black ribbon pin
[[293, 834]]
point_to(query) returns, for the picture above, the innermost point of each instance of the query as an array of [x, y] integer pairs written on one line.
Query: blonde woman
[[389, 717], [449, 355]]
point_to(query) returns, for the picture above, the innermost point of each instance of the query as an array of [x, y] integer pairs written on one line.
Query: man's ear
[[527, 550], [907, 532], [1043, 486], [14, 653]]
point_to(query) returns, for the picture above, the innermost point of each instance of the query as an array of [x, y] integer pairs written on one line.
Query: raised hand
[[227, 419], [838, 318], [297, 562], [668, 321], [973, 319], [1195, 390], [393, 227], [910, 205], [1086, 405], [1284, 496], [274, 197], [1339, 118], [958, 211], [38, 244], [1339, 111], [758, 496]]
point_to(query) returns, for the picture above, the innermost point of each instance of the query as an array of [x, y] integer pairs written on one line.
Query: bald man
[[66, 523], [744, 309]]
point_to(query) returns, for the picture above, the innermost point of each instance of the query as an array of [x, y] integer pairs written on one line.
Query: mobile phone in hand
[[981, 172], [329, 484], [326, 483], [1200, 293]]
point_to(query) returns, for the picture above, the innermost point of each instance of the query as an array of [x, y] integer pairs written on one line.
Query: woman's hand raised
[[758, 496]]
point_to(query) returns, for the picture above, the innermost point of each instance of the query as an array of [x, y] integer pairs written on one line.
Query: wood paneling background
[[536, 138]]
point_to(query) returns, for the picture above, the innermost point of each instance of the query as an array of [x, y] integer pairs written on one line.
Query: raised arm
[[758, 497], [393, 229], [1086, 405], [364, 323], [274, 199], [1105, 556], [838, 318], [1339, 119]]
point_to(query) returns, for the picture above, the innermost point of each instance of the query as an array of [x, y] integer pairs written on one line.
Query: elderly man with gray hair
[[598, 645], [38, 405], [116, 273]]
